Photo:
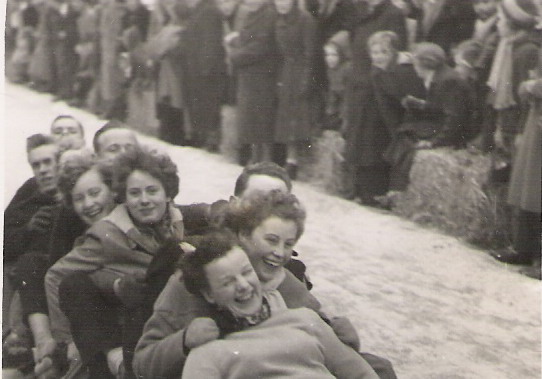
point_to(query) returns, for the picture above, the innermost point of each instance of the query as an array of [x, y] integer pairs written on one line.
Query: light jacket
[[110, 249]]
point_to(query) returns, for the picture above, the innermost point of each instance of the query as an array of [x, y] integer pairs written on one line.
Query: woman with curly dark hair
[[267, 227], [220, 272], [107, 273]]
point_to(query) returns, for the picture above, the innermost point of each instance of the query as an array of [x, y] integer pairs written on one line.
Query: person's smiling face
[[270, 246], [146, 197], [92, 199], [233, 284]]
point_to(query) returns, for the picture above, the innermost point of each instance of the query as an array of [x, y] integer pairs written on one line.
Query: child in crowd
[[339, 69]]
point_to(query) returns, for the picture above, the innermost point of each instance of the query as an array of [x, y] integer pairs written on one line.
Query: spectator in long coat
[[296, 35], [515, 58], [524, 192], [366, 137], [517, 25], [255, 58], [204, 66], [111, 78], [170, 104], [87, 49], [54, 60], [63, 21]]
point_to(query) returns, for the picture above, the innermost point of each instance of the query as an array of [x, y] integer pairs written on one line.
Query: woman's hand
[[200, 330]]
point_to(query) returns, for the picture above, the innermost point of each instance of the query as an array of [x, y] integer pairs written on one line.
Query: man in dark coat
[[366, 135], [63, 23], [28, 217], [254, 56], [204, 72]]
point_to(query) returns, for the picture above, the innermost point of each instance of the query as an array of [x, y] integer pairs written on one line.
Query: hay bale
[[326, 169], [449, 189]]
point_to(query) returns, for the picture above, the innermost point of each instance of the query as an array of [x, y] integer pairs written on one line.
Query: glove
[[131, 290], [42, 220], [200, 330]]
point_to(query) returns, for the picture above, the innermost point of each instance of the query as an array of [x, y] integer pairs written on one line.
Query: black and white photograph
[[249, 189]]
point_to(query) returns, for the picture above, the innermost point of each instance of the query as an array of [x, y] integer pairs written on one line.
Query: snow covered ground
[[434, 306]]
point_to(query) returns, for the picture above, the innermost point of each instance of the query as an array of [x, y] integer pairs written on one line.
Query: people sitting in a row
[[109, 240]]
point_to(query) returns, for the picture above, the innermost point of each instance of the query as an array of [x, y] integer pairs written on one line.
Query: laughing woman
[[108, 269], [264, 338], [86, 190], [267, 226]]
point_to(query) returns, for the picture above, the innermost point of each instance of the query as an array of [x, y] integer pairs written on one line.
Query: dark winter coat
[[204, 70], [111, 26], [453, 23], [447, 115], [366, 136], [17, 238], [255, 59], [296, 37], [390, 87]]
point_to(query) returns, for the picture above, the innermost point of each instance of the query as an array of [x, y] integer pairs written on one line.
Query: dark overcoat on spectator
[[452, 22], [296, 37], [204, 66], [41, 69], [255, 59], [111, 24], [62, 20], [366, 135]]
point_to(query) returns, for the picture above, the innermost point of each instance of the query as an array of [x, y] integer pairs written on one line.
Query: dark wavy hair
[[213, 245], [73, 168], [159, 166], [245, 215]]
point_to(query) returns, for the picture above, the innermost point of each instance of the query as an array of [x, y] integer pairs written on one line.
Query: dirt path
[[434, 306]]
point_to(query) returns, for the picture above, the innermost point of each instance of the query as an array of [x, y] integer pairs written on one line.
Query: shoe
[[511, 257]]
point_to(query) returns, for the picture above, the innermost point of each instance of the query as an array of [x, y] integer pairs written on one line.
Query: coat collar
[[121, 219]]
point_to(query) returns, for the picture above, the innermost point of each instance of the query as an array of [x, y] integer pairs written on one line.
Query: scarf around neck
[[501, 75]]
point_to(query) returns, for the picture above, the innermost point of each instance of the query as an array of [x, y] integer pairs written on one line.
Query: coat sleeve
[[87, 257], [296, 295], [340, 360], [199, 365], [159, 352]]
